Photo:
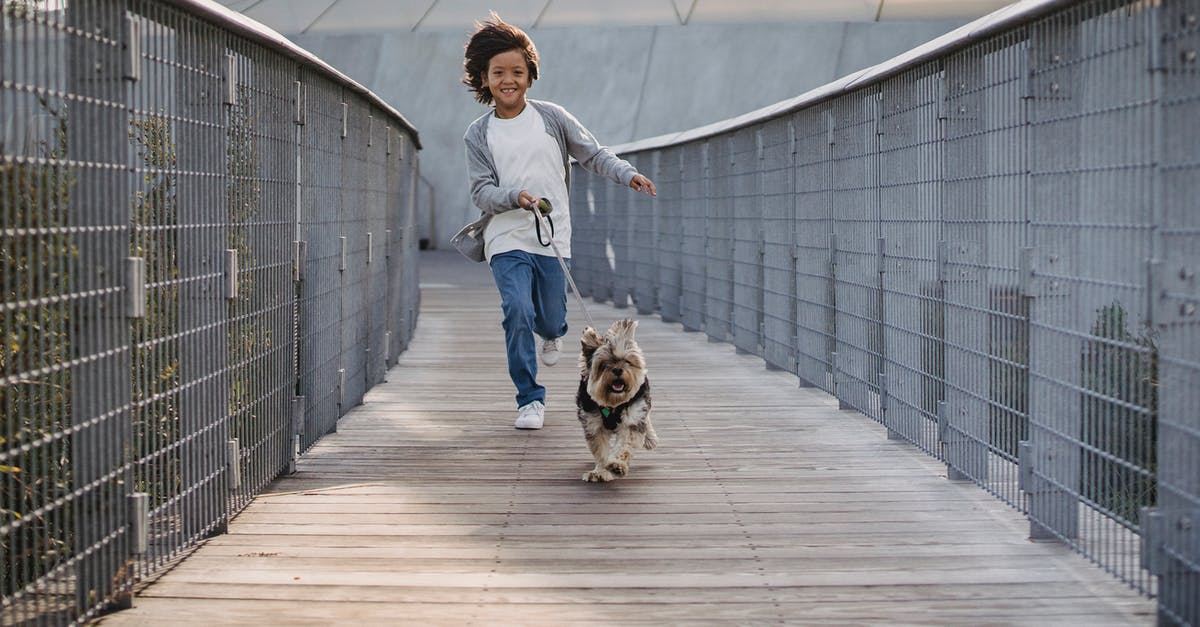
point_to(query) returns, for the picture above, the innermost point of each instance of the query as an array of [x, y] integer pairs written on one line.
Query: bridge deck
[[764, 503]]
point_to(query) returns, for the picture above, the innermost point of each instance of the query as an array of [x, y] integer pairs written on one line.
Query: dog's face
[[613, 364]]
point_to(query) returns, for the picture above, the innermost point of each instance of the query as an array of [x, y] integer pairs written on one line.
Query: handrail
[[961, 37], [247, 27]]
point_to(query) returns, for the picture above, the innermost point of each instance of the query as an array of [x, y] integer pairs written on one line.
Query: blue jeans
[[533, 296]]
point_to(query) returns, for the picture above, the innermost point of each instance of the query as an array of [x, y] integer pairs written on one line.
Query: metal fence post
[[1171, 529], [971, 96], [647, 239], [719, 293], [1055, 96], [296, 433], [94, 127], [792, 275], [694, 259], [202, 239]]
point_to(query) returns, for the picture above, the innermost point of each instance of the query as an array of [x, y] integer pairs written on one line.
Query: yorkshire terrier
[[613, 401]]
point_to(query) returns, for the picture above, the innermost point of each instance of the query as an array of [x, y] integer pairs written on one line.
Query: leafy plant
[[36, 254], [1120, 414], [22, 9], [932, 349], [248, 338], [1008, 370], [155, 375]]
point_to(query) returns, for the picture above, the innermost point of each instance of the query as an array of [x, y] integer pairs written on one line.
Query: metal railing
[[207, 255], [990, 245]]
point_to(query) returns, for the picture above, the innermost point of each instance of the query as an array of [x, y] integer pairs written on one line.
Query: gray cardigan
[[573, 141]]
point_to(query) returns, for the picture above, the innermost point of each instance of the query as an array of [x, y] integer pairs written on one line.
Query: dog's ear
[[590, 341], [620, 334]]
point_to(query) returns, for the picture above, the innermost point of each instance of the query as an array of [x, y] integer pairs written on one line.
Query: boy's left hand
[[643, 185]]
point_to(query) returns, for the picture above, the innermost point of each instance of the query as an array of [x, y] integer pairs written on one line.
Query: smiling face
[[507, 79]]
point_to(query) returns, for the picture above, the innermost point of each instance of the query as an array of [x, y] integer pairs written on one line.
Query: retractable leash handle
[[540, 210]]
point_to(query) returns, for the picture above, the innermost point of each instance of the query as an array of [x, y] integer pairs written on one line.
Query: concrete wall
[[623, 83]]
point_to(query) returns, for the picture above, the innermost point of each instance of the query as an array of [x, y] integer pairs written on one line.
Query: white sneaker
[[531, 416], [551, 351]]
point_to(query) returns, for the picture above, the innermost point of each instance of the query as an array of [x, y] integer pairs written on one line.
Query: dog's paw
[[651, 443], [598, 475], [618, 469]]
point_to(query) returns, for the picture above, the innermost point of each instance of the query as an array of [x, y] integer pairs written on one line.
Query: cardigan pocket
[[469, 240]]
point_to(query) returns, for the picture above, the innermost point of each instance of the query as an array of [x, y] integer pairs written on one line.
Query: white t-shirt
[[527, 158]]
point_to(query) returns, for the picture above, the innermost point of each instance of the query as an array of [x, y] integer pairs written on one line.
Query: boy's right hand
[[526, 200]]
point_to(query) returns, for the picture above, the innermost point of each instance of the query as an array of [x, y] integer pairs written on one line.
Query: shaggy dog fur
[[613, 401]]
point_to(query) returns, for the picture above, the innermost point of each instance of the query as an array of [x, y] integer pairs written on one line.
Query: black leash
[[537, 224]]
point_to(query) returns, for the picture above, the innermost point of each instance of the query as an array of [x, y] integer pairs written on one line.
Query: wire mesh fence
[[992, 250], [190, 211]]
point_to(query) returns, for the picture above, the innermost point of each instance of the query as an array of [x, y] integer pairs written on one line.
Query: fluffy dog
[[613, 401]]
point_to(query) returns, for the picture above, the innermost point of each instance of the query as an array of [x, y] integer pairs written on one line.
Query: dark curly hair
[[491, 38]]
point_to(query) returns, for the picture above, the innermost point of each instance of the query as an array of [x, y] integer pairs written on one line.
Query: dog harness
[[611, 415]]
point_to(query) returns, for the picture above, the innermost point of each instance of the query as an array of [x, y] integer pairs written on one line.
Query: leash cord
[[538, 217]]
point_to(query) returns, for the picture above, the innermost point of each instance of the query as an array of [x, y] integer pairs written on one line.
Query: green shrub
[[36, 254], [1119, 415], [1008, 370], [247, 337], [155, 376]]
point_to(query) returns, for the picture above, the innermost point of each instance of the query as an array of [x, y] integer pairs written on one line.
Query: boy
[[516, 154]]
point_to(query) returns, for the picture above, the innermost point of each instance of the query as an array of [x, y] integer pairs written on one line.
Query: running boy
[[516, 154]]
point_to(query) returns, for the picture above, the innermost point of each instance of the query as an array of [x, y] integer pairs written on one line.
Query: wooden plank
[[986, 537], [598, 611], [618, 578], [764, 504], [1067, 594], [459, 551], [735, 560]]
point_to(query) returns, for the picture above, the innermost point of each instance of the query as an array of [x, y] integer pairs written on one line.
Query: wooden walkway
[[763, 504]]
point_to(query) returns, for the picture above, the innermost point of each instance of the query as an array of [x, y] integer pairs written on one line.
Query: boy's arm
[[486, 192], [591, 155]]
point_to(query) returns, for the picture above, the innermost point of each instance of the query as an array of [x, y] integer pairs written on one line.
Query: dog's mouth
[[617, 387]]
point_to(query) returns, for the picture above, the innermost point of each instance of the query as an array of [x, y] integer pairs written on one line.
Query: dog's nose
[[617, 372]]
